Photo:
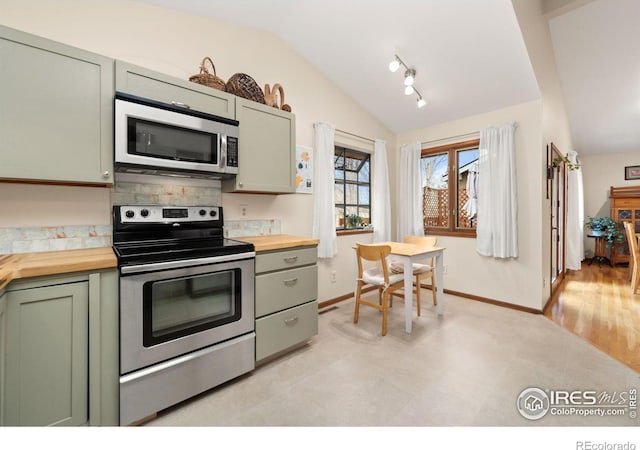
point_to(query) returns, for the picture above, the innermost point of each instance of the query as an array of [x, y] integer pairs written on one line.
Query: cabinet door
[[266, 160], [47, 356], [56, 112], [134, 80]]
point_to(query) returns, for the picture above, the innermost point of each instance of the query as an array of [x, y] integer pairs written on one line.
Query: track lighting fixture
[[409, 79]]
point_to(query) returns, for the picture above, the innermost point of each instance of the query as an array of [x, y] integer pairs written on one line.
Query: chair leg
[[418, 289], [357, 310], [385, 299], [635, 281], [433, 288]]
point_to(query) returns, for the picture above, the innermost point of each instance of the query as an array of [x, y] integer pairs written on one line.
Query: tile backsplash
[[237, 228], [153, 190], [128, 190], [43, 239]]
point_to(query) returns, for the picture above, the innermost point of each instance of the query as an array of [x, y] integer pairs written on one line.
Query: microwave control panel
[[232, 151]]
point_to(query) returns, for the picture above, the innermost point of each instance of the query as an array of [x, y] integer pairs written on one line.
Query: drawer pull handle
[[181, 105], [291, 282], [290, 259], [291, 321]]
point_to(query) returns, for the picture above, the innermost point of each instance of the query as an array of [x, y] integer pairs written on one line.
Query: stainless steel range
[[186, 305]]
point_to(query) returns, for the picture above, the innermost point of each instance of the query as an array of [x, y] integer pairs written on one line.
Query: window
[[448, 174], [352, 189]]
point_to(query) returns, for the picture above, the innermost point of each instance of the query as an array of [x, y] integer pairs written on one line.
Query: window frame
[[366, 157], [452, 154]]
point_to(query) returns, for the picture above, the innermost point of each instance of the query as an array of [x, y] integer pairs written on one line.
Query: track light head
[[421, 102], [409, 77], [394, 65], [408, 90]]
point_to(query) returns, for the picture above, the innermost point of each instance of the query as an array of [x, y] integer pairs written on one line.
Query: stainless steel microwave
[[155, 137]]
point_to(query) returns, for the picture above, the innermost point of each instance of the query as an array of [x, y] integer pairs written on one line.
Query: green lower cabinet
[[286, 299], [58, 357], [285, 329], [47, 358]]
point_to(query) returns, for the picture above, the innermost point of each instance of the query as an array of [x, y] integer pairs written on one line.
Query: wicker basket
[[244, 86], [207, 78], [272, 95]]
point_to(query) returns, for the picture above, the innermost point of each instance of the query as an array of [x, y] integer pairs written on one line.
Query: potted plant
[[607, 228], [353, 221]]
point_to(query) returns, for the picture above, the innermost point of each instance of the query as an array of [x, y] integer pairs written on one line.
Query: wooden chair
[[420, 271], [378, 276], [634, 257]]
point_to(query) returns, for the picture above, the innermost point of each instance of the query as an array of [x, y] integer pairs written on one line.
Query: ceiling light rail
[[409, 79]]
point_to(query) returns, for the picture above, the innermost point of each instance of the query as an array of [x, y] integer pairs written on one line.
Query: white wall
[[517, 281], [555, 124], [175, 43]]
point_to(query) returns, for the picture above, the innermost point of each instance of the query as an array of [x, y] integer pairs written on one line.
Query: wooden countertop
[[277, 241], [26, 265]]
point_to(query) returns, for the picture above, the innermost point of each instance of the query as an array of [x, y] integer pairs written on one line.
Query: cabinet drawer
[[284, 329], [145, 83], [281, 290], [267, 262]]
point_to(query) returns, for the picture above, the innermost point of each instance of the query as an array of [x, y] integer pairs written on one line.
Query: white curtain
[[410, 221], [497, 232], [381, 199], [575, 216], [324, 210]]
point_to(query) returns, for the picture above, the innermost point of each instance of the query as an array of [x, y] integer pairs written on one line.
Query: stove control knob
[[202, 212], [129, 214], [213, 213], [144, 213]]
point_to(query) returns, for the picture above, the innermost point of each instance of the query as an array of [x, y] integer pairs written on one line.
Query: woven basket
[[275, 97], [244, 86], [207, 78]]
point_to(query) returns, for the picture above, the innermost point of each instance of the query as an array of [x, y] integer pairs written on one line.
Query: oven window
[[181, 306], [158, 140]]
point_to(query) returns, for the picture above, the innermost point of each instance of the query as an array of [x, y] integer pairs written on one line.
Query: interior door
[[558, 217]]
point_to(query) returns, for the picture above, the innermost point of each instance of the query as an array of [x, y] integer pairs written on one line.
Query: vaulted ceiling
[[469, 57]]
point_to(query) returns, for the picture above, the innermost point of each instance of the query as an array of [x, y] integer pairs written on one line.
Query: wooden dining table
[[408, 254]]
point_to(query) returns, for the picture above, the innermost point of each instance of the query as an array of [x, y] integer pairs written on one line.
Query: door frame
[[560, 206]]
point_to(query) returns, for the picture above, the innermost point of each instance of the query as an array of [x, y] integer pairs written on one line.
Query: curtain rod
[[355, 135], [448, 138]]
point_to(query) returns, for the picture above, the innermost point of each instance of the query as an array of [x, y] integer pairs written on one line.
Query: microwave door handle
[[223, 151]]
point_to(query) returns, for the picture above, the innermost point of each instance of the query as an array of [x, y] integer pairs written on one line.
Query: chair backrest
[[632, 240], [373, 252], [424, 241]]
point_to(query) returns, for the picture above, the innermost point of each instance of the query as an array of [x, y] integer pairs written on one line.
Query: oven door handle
[[151, 267]]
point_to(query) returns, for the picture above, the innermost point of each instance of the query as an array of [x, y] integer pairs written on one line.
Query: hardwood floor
[[596, 304]]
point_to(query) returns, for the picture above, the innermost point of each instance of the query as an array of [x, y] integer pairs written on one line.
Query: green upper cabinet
[[266, 160], [134, 80], [56, 111]]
